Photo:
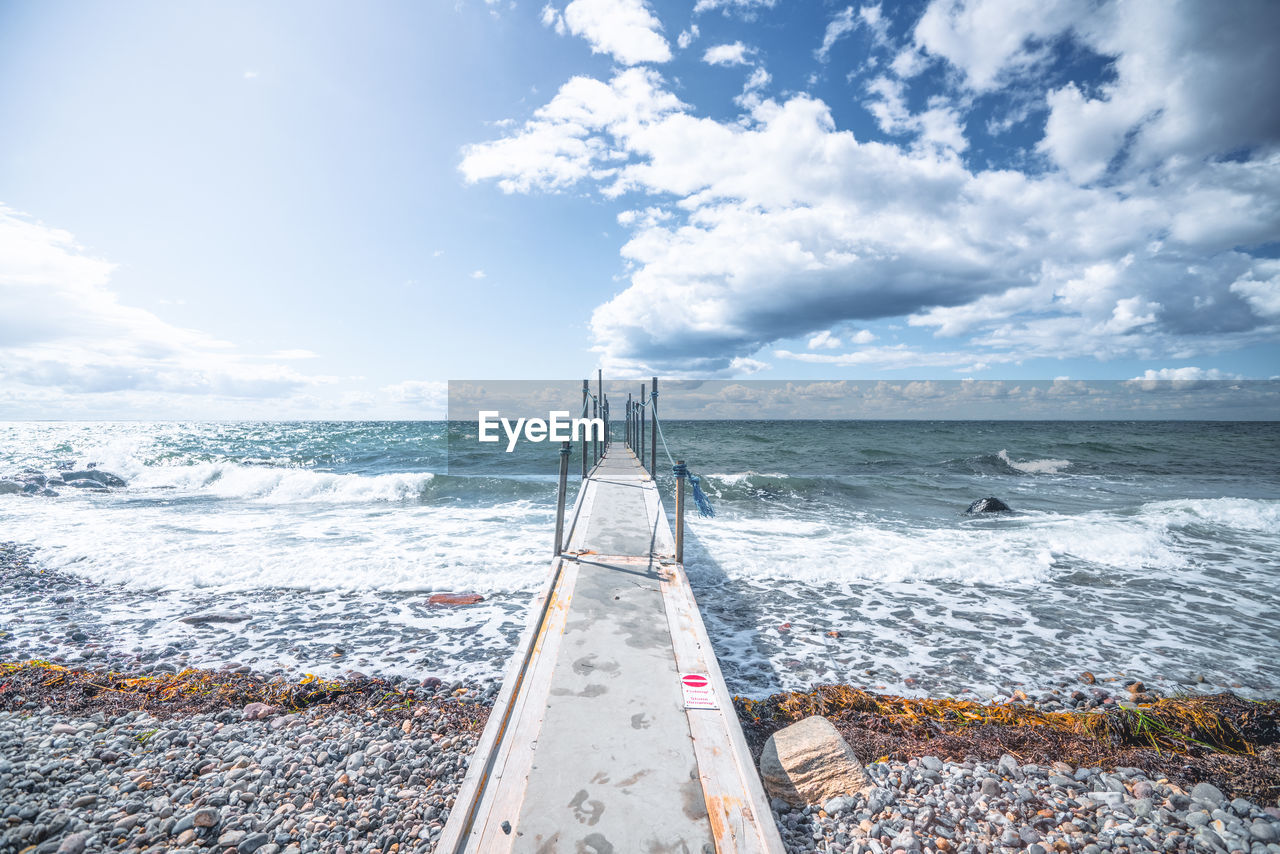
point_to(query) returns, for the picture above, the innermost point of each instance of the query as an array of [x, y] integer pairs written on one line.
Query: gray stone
[[933, 763], [206, 817], [252, 843], [1199, 818], [1263, 831], [1208, 792], [837, 805], [1208, 840], [8, 487], [809, 762], [96, 476], [990, 786], [74, 844]]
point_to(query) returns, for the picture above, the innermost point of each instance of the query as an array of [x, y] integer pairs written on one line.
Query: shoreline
[[371, 764]]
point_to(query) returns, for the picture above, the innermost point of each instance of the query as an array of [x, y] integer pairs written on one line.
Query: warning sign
[[697, 691]]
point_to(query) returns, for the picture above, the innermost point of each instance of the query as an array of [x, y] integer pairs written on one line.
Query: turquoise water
[[1142, 548]]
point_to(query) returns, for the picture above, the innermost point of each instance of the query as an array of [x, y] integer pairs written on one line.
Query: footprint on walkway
[[594, 843], [587, 812], [640, 721]]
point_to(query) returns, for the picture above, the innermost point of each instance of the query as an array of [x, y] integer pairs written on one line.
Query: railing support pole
[[595, 434], [640, 455], [586, 390], [653, 439], [679, 513], [600, 397], [564, 488]]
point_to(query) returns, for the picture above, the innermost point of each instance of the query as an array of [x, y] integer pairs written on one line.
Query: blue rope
[[699, 497]]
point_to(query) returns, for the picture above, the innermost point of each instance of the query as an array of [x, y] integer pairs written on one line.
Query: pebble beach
[[383, 778]]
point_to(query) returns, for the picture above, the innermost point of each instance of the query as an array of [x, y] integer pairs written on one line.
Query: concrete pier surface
[[614, 731]]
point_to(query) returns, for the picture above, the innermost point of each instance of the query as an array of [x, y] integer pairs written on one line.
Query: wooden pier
[[614, 731]]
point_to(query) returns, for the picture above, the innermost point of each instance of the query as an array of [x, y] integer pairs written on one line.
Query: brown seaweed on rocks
[[1223, 739], [74, 691]]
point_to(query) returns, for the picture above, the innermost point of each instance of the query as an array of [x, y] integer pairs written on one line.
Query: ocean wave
[[1034, 466], [1239, 514], [281, 485]]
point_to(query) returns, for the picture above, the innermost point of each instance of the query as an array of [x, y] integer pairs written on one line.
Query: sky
[[328, 210]]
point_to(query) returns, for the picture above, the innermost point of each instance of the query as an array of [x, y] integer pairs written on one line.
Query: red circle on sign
[[694, 681]]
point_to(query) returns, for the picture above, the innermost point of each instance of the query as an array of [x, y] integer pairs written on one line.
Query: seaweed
[[194, 691], [1224, 739]]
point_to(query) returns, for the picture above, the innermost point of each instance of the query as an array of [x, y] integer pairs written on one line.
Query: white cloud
[[64, 332], [626, 29], [1192, 79], [938, 125], [687, 37], [747, 8], [874, 20], [567, 140], [727, 54], [1260, 287], [987, 38], [250, 75], [824, 340], [477, 274], [553, 18], [777, 224], [841, 25]]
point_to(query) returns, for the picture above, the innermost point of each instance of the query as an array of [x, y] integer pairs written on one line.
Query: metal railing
[[637, 434]]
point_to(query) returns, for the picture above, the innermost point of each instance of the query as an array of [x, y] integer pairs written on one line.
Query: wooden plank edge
[[509, 777], [458, 825], [694, 653]]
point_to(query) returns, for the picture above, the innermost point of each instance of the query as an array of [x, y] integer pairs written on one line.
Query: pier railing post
[[595, 434], [586, 390], [600, 398], [640, 455], [679, 511], [564, 481], [653, 439]]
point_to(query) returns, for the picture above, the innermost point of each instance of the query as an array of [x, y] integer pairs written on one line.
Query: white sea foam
[[282, 485], [735, 478], [308, 546], [1241, 514], [1034, 466]]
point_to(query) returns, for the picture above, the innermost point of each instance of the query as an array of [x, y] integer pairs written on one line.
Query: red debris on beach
[[443, 599]]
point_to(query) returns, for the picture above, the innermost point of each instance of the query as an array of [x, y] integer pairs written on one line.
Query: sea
[[840, 551]]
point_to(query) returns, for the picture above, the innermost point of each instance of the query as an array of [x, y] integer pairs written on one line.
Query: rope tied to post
[[699, 497]]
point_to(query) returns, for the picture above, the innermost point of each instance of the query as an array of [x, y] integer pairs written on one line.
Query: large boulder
[[105, 478], [8, 487], [84, 483], [810, 763], [988, 505]]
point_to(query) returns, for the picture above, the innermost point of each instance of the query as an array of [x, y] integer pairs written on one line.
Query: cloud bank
[[1130, 225]]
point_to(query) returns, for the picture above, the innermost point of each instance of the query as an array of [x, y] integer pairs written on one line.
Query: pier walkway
[[614, 731]]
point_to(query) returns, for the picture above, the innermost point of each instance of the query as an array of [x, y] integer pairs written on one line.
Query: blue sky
[[220, 210]]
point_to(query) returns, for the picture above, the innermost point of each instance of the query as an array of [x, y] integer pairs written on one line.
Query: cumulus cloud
[[687, 37], [938, 125], [824, 340], [778, 224], [63, 330], [569, 139], [727, 54], [989, 40], [627, 30], [742, 7]]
